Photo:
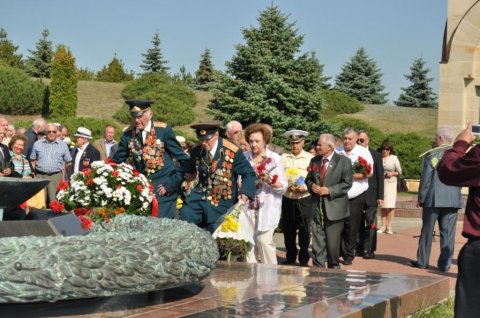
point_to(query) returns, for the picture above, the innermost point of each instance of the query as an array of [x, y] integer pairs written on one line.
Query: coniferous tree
[[153, 61], [269, 81], [40, 61], [205, 72], [7, 52], [419, 94], [84, 74], [361, 78], [114, 72], [63, 86]]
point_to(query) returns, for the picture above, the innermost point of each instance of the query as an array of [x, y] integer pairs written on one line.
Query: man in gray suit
[[329, 179], [439, 202]]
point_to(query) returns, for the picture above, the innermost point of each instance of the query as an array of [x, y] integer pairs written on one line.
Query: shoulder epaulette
[[229, 145], [159, 124]]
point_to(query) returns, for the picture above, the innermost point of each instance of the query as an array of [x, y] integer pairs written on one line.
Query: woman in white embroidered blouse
[[271, 185]]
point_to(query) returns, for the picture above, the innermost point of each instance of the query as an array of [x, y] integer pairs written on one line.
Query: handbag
[[402, 185]]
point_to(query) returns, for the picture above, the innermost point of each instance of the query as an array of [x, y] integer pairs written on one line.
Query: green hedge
[[339, 103], [19, 94], [173, 100]]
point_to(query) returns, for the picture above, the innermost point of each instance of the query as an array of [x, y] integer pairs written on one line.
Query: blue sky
[[393, 32]]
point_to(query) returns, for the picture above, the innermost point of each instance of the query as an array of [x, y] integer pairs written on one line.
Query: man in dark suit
[[328, 181], [218, 163], [439, 202], [373, 199], [84, 153], [150, 147]]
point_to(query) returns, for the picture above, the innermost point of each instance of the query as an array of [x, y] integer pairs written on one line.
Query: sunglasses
[[51, 131], [385, 149]]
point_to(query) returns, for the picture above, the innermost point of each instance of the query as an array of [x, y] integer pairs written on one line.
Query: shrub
[[19, 94], [375, 135], [173, 100], [337, 102], [408, 147], [63, 85]]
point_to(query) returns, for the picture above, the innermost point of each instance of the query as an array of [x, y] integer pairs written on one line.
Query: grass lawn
[[102, 100], [392, 119]]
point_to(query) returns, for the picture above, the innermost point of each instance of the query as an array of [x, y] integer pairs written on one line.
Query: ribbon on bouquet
[[154, 206]]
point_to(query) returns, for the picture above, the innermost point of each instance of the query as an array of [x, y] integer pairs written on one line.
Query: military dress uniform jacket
[[217, 188], [168, 175]]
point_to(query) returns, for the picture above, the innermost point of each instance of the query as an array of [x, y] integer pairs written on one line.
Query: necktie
[[324, 169], [2, 160], [210, 158]]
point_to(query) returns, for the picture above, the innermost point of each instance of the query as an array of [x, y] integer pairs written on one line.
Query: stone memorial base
[[247, 290]]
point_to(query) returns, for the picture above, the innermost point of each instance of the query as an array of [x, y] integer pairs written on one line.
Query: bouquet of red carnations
[[362, 166]]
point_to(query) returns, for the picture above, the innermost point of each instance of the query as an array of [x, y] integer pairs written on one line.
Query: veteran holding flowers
[[150, 147], [297, 202], [218, 163]]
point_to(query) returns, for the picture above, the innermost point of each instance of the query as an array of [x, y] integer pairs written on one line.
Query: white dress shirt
[[358, 186]]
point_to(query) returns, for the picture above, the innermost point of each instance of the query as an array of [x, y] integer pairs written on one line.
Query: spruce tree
[[114, 72], [7, 52], [40, 61], [419, 94], [63, 86], [205, 72], [268, 80], [361, 78], [153, 61]]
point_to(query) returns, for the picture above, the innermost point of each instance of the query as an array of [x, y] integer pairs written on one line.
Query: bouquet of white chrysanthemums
[[108, 187]]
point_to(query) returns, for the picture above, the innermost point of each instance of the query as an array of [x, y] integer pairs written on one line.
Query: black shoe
[[369, 255], [287, 262], [359, 253], [304, 264], [347, 261], [416, 264]]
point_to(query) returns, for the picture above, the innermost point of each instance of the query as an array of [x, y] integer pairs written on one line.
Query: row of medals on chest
[[219, 181]]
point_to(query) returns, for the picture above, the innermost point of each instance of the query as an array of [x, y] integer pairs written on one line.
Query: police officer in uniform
[[218, 163], [150, 147]]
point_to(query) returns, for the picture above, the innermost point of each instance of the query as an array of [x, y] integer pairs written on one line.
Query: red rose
[[274, 179], [56, 206], [139, 188], [150, 187], [87, 172], [63, 185], [115, 174], [309, 169], [315, 168], [136, 173], [86, 222]]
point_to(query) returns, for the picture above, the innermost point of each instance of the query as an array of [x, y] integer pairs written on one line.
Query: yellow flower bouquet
[[234, 234]]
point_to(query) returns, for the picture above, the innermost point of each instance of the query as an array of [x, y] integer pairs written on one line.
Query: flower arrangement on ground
[[234, 234], [104, 191], [362, 166]]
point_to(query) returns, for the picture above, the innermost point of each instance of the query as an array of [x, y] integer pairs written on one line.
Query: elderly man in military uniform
[[218, 163], [297, 202], [150, 147]]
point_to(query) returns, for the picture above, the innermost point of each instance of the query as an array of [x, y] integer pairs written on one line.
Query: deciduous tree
[[7, 52]]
